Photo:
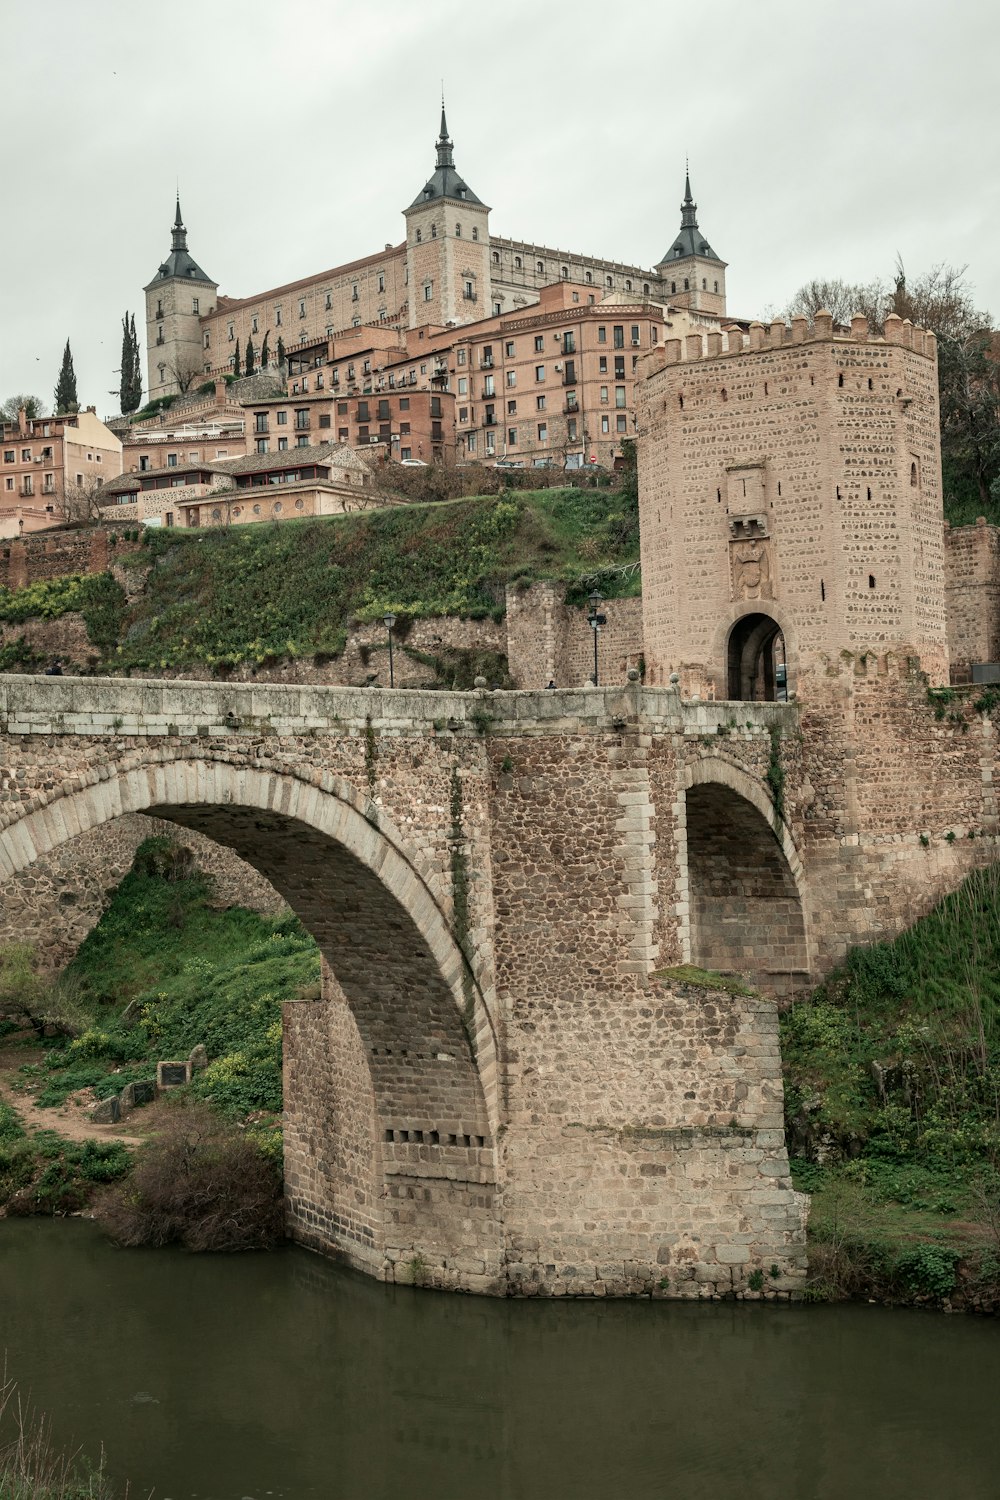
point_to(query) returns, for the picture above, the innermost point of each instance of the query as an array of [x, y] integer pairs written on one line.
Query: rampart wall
[[972, 595]]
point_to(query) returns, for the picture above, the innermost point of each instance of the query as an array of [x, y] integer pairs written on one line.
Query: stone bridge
[[495, 1091]]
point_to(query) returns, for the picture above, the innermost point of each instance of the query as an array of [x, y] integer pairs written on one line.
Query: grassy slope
[[892, 1079], [256, 593], [188, 973]]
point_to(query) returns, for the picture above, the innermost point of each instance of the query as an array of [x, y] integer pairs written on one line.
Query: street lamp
[[390, 621], [595, 621]]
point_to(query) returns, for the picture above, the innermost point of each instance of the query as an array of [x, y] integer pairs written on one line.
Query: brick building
[[50, 466]]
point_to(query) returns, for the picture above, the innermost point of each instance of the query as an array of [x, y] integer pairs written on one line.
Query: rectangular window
[[463, 385], [470, 443], [194, 304], [404, 403], [303, 441], [406, 452], [9, 455], [10, 481], [253, 325], [619, 330], [511, 437], [341, 408], [341, 434], [539, 403], [488, 389], [383, 411], [404, 429], [512, 378], [461, 357], [363, 411], [539, 372], [543, 433], [509, 348], [511, 408], [231, 331], [435, 406], [619, 367], [282, 418], [302, 418], [302, 307], [172, 460], [602, 365], [539, 343], [571, 430], [206, 340], [602, 335], [324, 420], [619, 395], [277, 317], [328, 303], [260, 421], [569, 343], [621, 424], [282, 444], [381, 281], [262, 445], [428, 291], [491, 442], [605, 422], [463, 413], [26, 455], [634, 332], [604, 394]]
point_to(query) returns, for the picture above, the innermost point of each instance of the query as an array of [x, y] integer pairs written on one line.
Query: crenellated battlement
[[778, 334]]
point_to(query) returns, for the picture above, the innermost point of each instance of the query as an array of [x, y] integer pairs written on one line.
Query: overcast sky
[[824, 139]]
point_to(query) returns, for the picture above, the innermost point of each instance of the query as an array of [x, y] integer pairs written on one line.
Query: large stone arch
[[745, 907], [391, 1084]]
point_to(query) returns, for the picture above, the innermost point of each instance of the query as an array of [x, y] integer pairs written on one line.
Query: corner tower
[[790, 506], [692, 274], [447, 246], [177, 298]]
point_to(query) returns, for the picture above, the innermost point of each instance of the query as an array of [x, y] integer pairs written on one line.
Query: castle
[[429, 313]]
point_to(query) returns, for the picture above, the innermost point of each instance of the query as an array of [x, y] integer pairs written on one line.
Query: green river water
[[282, 1375]]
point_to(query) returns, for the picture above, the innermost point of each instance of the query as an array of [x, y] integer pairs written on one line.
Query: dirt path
[[69, 1119]]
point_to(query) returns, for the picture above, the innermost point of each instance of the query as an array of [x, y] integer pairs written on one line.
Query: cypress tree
[[281, 350], [248, 358], [264, 354], [65, 393], [131, 381], [236, 360]]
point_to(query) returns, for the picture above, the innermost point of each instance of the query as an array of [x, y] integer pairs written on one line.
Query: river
[[282, 1375]]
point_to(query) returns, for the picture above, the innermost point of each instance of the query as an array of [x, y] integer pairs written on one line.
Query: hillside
[[217, 598], [892, 1102]]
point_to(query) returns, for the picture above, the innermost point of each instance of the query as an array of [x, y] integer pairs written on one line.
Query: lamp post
[[390, 621], [595, 620]]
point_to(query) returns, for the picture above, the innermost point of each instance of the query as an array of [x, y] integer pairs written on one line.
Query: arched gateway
[[390, 1086]]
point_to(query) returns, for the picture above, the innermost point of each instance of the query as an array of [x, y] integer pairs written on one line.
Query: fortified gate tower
[[791, 511]]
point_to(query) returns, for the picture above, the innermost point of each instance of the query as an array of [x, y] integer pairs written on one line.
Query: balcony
[[301, 425], [571, 408], [486, 363], [470, 296]]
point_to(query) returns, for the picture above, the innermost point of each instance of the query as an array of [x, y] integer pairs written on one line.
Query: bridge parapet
[[143, 708]]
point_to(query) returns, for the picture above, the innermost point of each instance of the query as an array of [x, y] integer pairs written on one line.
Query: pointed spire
[[178, 235], [689, 209], [445, 155]]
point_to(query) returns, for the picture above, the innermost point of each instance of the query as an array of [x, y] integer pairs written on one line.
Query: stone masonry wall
[[550, 641], [972, 595], [52, 554]]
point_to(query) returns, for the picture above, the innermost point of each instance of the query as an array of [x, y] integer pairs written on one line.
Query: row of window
[[419, 235], [28, 483], [263, 444]]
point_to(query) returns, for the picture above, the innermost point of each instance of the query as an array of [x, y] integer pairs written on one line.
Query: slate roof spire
[[446, 182], [180, 262], [690, 240]]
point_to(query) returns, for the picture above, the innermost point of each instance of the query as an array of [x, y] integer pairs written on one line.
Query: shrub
[[203, 1184]]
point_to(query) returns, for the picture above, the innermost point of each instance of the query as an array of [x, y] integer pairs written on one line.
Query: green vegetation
[[163, 971], [259, 594], [706, 979], [892, 1099]]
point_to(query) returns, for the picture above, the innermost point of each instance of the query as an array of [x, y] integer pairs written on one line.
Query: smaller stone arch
[[745, 911], [744, 672]]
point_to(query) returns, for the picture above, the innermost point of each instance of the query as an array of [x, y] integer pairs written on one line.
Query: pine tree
[[264, 354], [130, 389], [65, 393], [236, 360], [281, 350], [248, 358]]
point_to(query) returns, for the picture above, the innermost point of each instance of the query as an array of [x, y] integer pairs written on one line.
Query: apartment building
[[49, 466]]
